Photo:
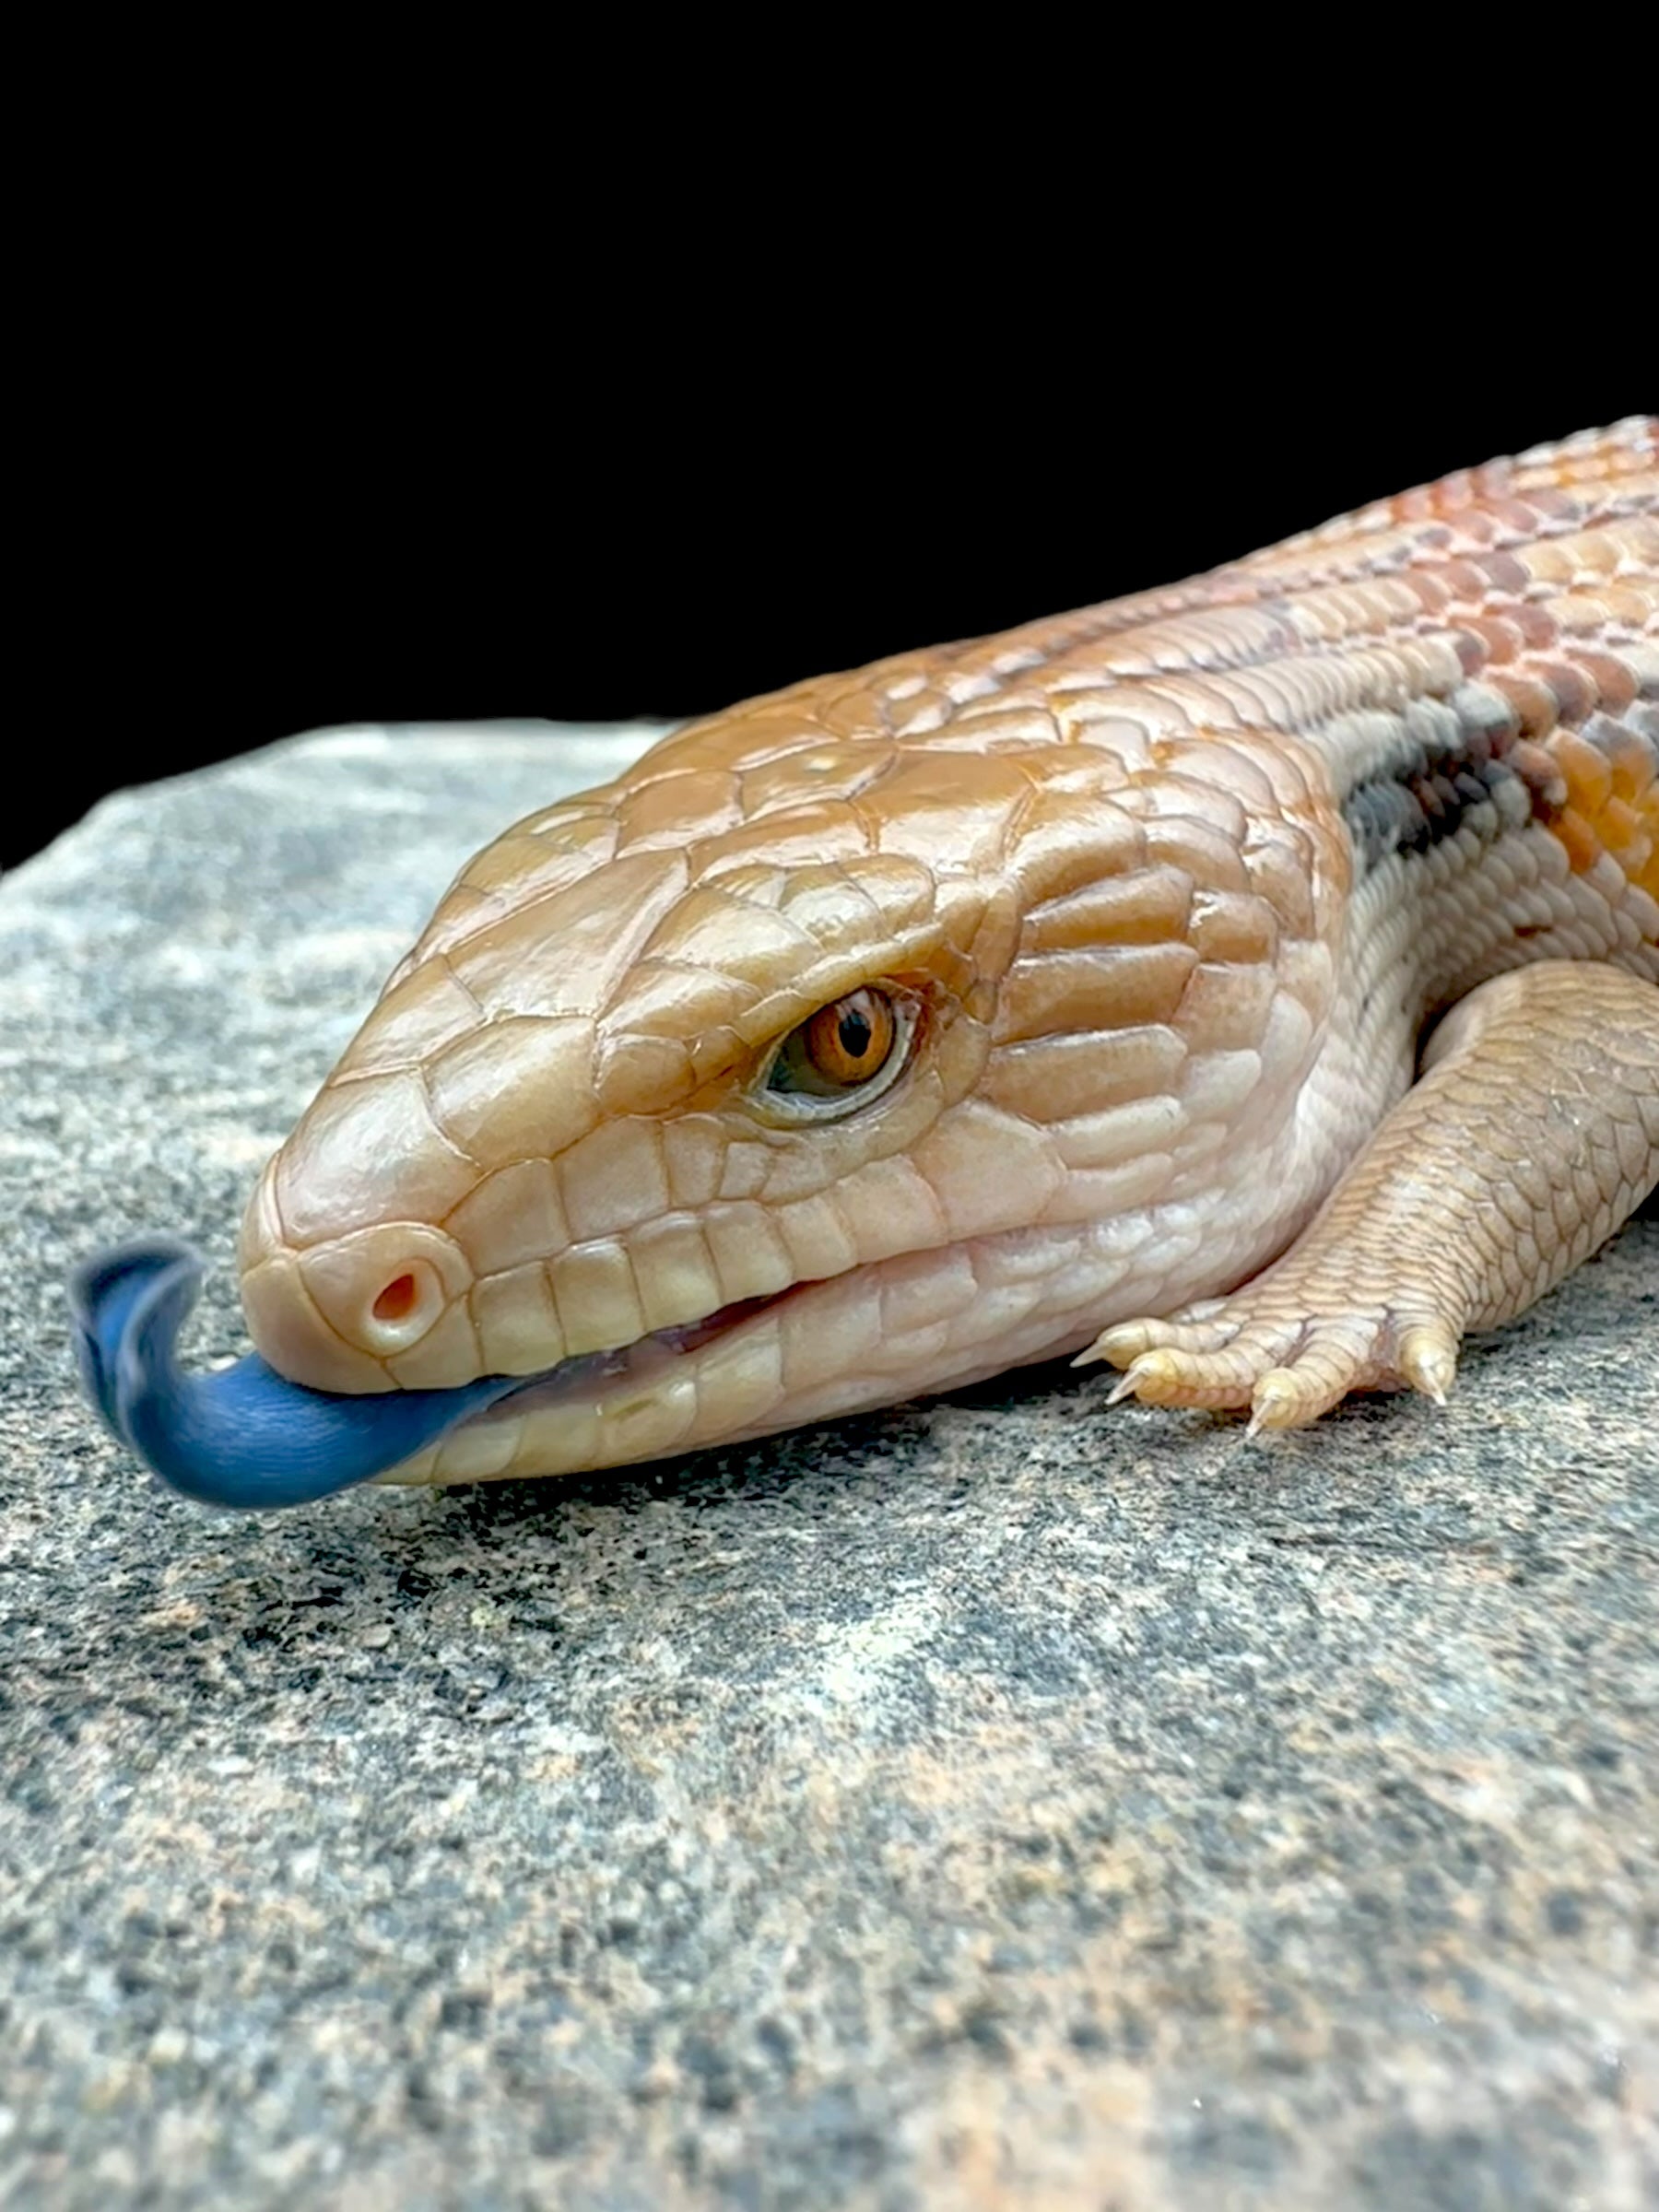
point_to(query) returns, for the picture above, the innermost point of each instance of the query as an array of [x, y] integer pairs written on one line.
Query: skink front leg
[[1532, 1135]]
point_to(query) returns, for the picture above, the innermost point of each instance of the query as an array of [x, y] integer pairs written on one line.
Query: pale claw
[[1429, 1360], [1286, 1371]]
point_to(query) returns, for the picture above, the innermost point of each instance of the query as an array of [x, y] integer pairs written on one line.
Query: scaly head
[[796, 1071]]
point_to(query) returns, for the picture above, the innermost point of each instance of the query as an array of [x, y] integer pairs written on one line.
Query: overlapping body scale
[[1177, 882]]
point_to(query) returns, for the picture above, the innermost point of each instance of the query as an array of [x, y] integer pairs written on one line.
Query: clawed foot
[[1532, 1135], [1227, 1352]]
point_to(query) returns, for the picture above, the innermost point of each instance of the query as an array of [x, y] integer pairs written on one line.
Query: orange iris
[[848, 1042]]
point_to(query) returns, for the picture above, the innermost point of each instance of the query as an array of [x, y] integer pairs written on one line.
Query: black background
[[259, 532]]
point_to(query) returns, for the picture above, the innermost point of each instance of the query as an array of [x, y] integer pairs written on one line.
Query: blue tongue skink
[[244, 1436]]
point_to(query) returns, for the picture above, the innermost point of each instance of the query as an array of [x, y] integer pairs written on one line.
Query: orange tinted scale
[[1583, 846]]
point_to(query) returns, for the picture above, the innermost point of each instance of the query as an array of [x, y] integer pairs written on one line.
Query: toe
[[1428, 1360]]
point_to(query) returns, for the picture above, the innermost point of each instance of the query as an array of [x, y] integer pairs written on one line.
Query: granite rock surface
[[999, 1802]]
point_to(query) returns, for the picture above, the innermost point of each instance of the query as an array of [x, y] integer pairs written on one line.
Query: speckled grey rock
[[999, 1803]]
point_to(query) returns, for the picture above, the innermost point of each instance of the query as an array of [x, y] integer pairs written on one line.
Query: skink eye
[[847, 1043], [847, 1052]]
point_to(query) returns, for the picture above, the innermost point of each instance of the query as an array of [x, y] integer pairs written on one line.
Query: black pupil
[[856, 1034]]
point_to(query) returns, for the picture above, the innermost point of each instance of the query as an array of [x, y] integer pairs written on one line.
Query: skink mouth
[[646, 1354], [245, 1436]]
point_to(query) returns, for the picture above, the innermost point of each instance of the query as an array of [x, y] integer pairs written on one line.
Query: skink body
[[1159, 900]]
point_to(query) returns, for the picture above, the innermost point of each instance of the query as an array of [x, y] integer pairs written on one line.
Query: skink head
[[572, 1121], [741, 1079]]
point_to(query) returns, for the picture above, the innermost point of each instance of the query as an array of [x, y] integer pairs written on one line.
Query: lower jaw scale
[[613, 1408], [815, 1352], [913, 1324]]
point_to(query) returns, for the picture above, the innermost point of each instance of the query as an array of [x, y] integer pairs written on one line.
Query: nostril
[[401, 1312], [383, 1290], [396, 1301]]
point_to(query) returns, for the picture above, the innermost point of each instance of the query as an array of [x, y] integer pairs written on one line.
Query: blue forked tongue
[[243, 1436]]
